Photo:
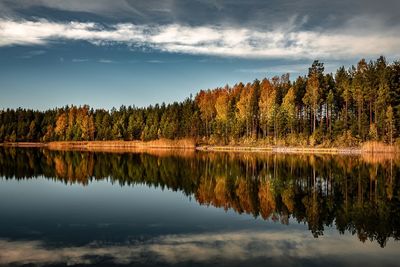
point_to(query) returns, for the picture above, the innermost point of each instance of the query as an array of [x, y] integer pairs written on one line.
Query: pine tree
[[343, 84], [389, 121], [312, 98]]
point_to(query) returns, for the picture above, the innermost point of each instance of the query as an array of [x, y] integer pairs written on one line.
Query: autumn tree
[[244, 109], [61, 126], [264, 105], [312, 96], [222, 112], [289, 109], [206, 102]]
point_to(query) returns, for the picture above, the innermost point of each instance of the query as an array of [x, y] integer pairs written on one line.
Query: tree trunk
[[345, 116], [359, 120], [327, 116], [314, 119], [330, 121], [370, 112]]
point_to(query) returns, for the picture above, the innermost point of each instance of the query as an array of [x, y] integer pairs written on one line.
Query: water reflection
[[225, 249], [353, 194]]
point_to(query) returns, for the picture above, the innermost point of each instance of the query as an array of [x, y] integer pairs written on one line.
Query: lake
[[185, 208]]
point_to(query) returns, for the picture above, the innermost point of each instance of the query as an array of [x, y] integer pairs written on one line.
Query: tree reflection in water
[[357, 194]]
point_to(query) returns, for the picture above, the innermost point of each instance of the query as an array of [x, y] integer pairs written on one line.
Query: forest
[[346, 108]]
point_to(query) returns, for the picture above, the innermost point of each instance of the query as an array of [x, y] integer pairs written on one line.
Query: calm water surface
[[165, 208]]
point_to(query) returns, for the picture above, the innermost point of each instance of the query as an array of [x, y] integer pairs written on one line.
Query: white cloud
[[286, 41], [32, 54], [101, 7], [80, 60], [106, 61], [155, 61]]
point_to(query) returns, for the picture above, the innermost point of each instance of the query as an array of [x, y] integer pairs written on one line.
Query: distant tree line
[[349, 107]]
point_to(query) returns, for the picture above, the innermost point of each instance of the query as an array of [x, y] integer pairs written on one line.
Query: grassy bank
[[110, 145], [161, 143], [23, 144], [366, 148], [363, 148], [379, 147], [281, 149]]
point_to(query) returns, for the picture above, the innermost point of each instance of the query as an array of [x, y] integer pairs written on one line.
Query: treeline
[[354, 195], [349, 107]]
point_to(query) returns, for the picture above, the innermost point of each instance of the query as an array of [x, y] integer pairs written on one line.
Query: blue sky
[[121, 52]]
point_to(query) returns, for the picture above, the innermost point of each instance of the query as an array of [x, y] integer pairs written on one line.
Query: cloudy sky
[[109, 53]]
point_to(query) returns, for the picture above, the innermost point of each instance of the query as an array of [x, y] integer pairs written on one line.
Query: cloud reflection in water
[[288, 248]]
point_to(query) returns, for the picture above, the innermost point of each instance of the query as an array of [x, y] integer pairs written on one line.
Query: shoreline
[[105, 145], [130, 146], [284, 150]]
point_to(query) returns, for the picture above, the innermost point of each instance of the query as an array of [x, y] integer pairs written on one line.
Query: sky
[[141, 52]]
